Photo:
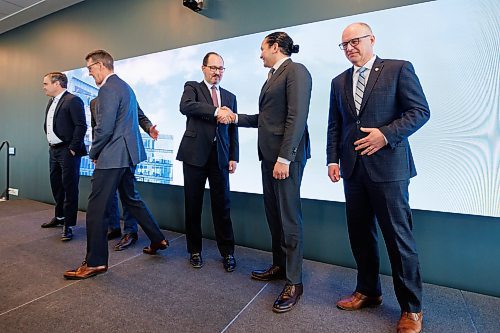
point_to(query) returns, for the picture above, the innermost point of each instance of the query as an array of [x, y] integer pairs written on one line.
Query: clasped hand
[[225, 115]]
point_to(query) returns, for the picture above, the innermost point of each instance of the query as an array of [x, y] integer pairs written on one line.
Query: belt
[[58, 145]]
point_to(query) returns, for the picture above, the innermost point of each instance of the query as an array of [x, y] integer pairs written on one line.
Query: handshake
[[225, 115]]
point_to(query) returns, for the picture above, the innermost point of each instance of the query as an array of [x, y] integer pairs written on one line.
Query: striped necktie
[[360, 89]]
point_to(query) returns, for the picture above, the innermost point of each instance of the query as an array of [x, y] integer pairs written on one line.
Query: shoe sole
[[264, 279], [66, 239], [275, 310], [82, 278], [374, 305]]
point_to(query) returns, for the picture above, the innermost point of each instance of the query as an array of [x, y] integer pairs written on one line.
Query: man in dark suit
[[208, 150], [374, 107], [65, 127], [130, 228], [283, 146], [116, 150]]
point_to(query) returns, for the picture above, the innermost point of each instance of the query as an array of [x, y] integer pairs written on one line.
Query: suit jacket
[[69, 122], [117, 142], [282, 118], [144, 121], [202, 127], [393, 102]]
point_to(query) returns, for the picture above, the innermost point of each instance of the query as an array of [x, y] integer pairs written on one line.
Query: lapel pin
[[376, 69]]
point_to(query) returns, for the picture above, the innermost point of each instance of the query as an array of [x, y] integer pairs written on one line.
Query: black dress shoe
[[229, 263], [288, 298], [55, 222], [154, 247], [126, 241], [272, 273], [67, 234], [115, 233], [196, 260]]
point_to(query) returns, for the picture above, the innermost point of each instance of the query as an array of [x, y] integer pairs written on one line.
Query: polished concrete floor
[[163, 293]]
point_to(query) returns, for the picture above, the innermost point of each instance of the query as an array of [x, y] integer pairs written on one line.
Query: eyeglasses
[[89, 67], [353, 42], [214, 69]]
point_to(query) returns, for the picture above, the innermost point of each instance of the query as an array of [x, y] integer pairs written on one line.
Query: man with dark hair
[[130, 228], [208, 150], [283, 147], [116, 150], [65, 127], [374, 107]]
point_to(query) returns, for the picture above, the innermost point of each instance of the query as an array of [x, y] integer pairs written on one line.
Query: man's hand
[[153, 132], [232, 166], [334, 172], [371, 143], [225, 115], [95, 162], [281, 170]]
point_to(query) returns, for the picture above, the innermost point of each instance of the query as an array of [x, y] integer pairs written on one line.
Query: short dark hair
[[205, 58], [285, 42], [58, 77], [101, 56]]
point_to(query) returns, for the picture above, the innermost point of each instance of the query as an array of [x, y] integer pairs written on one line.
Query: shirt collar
[[279, 63], [209, 85], [106, 79], [368, 65], [58, 97]]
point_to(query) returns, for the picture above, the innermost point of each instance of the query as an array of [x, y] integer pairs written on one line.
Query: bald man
[[375, 105]]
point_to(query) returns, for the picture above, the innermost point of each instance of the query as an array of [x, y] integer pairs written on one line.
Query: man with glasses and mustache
[[208, 150], [374, 107]]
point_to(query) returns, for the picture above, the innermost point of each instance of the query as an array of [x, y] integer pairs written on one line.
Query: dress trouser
[[284, 217], [104, 183], [194, 186], [387, 203], [64, 178]]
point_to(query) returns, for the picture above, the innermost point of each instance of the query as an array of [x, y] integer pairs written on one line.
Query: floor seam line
[[468, 312], [72, 283], [244, 308]]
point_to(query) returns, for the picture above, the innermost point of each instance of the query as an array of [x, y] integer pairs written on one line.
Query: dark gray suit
[[118, 148], [376, 186], [282, 132]]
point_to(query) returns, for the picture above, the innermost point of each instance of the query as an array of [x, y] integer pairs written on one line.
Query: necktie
[[214, 96], [271, 71], [360, 89]]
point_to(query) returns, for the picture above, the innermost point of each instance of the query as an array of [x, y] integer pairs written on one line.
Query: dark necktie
[[271, 71]]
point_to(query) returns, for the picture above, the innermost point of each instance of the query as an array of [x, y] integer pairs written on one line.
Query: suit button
[[358, 122]]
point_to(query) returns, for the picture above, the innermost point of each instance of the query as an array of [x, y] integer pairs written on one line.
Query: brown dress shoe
[[84, 272], [272, 273], [288, 298], [410, 322], [153, 247], [358, 301]]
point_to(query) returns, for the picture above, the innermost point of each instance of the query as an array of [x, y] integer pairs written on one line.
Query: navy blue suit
[[205, 158], [117, 147], [70, 126], [376, 186]]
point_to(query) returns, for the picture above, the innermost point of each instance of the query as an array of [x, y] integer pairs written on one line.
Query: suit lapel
[[348, 91], [59, 103], [273, 78], [378, 65], [206, 93]]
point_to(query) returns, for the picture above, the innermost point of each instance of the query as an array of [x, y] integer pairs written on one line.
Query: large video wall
[[454, 47]]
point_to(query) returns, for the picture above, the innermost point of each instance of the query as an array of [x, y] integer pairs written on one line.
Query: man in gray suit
[[283, 146], [374, 107], [116, 150]]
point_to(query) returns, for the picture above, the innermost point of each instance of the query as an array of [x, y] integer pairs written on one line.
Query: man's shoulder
[[341, 77], [395, 63]]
